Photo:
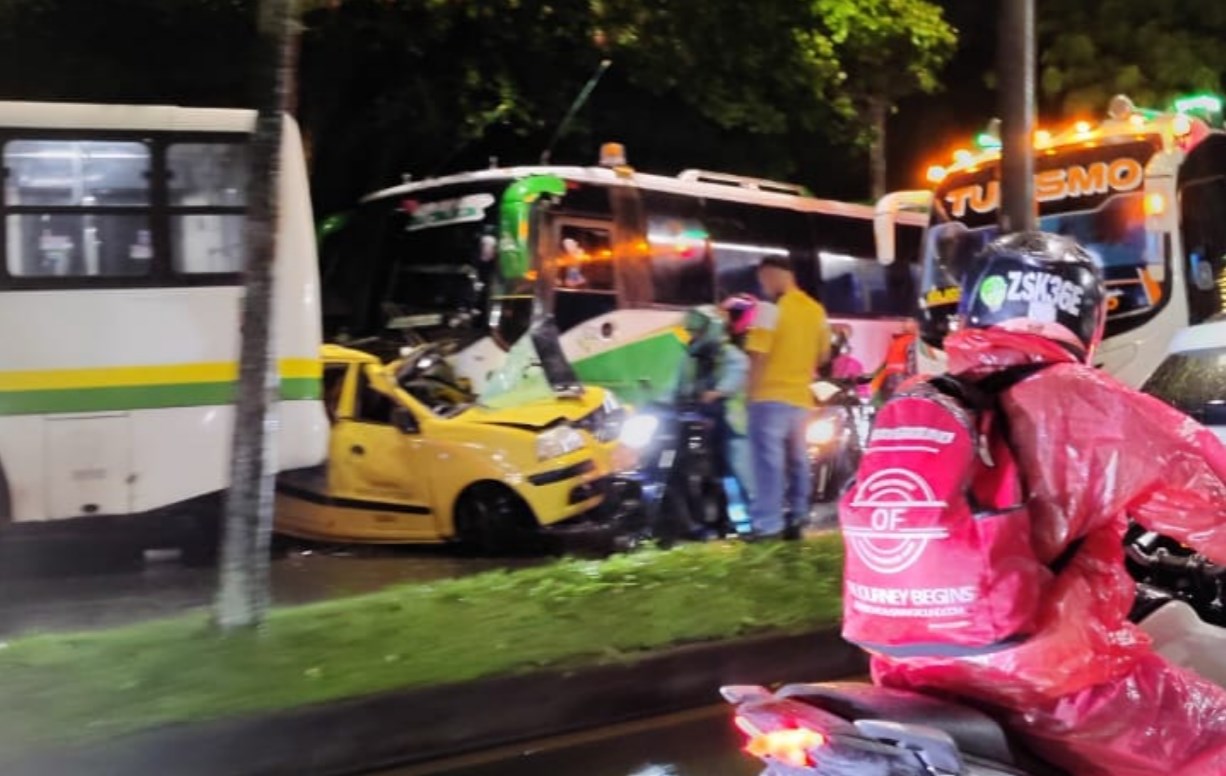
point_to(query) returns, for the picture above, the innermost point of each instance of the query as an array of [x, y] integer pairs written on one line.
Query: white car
[[1192, 377]]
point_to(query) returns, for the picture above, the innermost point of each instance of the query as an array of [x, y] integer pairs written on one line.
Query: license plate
[[666, 458]]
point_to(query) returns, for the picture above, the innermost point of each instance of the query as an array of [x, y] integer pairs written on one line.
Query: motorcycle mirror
[[740, 693], [824, 391]]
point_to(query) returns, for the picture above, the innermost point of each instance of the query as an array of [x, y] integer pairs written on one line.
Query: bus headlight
[[557, 442], [821, 431], [638, 431]]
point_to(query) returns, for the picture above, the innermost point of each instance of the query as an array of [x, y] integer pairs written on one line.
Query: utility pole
[[1016, 68], [242, 594]]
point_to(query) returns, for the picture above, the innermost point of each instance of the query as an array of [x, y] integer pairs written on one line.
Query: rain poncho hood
[[1086, 689]]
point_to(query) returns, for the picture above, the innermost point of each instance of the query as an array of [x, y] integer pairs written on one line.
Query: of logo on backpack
[[889, 545], [932, 564]]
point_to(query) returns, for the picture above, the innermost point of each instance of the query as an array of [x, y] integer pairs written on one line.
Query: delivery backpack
[[935, 526]]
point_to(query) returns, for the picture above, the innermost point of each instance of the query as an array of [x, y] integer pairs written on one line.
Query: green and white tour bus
[[614, 254]]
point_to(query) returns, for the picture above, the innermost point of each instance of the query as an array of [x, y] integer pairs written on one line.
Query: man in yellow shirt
[[787, 343]]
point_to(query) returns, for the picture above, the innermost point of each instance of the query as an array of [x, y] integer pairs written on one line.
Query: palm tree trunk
[[878, 110], [242, 594]]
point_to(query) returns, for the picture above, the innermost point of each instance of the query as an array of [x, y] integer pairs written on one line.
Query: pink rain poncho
[[1086, 690]]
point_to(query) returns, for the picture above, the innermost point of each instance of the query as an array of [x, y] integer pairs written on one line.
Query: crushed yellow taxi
[[415, 457]]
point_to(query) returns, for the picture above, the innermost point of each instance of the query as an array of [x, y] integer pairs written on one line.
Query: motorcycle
[[844, 728], [669, 474], [837, 436]]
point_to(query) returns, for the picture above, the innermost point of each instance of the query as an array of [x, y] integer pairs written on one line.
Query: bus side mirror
[[885, 219], [404, 421], [883, 235]]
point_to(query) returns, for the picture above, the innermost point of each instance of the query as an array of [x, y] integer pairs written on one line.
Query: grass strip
[[75, 687]]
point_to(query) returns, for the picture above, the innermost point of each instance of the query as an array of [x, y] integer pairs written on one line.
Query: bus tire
[[492, 520], [201, 545]]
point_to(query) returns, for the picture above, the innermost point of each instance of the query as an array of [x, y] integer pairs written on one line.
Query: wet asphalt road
[[109, 597], [697, 743]]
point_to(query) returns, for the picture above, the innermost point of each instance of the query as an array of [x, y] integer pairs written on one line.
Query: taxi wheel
[[492, 520]]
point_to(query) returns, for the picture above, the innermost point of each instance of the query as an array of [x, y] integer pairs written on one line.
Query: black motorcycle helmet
[[1039, 283]]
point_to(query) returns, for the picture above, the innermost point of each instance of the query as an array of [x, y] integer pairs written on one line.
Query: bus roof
[[75, 115], [1168, 131], [678, 185]]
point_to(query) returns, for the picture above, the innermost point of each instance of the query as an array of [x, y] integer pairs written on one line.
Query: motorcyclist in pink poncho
[[1084, 687]]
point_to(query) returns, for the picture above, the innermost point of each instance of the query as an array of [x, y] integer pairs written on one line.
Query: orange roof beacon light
[[1082, 128], [1042, 138], [936, 173], [612, 155]]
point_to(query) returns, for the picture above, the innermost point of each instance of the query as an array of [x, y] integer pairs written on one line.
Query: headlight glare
[[638, 431], [821, 431]]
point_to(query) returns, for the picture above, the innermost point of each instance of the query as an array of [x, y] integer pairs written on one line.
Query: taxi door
[[378, 474]]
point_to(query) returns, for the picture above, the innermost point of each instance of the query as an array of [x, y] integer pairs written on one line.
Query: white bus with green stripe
[[615, 255], [122, 238]]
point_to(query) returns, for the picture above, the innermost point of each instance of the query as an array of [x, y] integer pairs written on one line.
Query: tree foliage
[[1150, 51], [188, 52], [774, 87], [759, 66], [887, 49]]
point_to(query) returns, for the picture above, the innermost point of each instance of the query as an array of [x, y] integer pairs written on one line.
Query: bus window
[[742, 235], [843, 234], [854, 285], [853, 281], [208, 196], [908, 241], [681, 273], [53, 190], [1204, 245], [584, 279]]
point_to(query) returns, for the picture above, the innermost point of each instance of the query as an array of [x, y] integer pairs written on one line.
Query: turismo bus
[[612, 253], [121, 229], [1144, 191]]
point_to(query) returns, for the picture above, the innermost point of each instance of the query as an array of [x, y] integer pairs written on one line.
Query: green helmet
[[704, 323]]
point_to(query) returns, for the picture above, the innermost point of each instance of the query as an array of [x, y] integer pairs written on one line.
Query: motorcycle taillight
[[788, 745]]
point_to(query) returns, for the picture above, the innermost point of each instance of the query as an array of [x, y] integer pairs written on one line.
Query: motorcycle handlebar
[[1162, 559]]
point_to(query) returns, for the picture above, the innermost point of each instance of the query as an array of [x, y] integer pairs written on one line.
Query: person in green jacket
[[714, 377]]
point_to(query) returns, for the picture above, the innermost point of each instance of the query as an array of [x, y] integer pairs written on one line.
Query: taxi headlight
[[821, 431], [638, 431], [557, 442]]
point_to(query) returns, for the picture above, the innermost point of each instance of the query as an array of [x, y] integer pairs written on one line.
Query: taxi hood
[[537, 415]]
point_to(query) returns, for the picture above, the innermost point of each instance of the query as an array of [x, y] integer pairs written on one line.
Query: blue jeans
[[780, 463]]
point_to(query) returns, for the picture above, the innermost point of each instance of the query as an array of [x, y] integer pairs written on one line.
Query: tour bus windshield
[[441, 253], [1110, 225], [417, 260]]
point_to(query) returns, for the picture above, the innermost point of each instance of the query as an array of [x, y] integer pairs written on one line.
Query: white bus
[[1144, 191], [122, 236], [614, 254]]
